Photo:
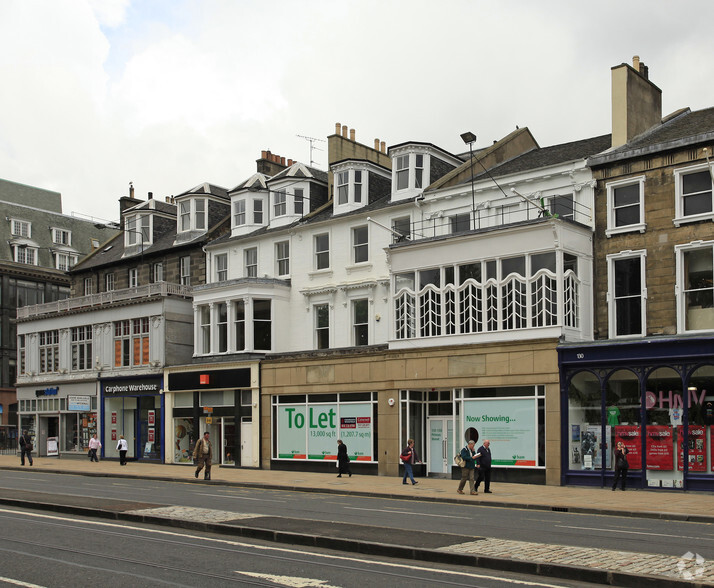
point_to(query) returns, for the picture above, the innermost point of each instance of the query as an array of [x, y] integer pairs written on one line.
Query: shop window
[[184, 441], [664, 405], [700, 394], [183, 400], [584, 422], [622, 416]]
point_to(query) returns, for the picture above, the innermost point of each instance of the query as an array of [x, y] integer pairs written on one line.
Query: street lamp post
[[469, 138]]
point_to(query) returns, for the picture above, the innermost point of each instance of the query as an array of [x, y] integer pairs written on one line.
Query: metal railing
[[156, 289]]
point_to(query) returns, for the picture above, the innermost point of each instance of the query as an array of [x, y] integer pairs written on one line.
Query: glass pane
[[622, 411], [626, 195], [585, 422]]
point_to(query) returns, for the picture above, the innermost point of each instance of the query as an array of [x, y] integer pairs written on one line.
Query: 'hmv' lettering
[[674, 399]]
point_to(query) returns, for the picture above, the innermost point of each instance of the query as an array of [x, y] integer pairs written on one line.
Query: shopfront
[[657, 397], [220, 402], [60, 418], [133, 408]]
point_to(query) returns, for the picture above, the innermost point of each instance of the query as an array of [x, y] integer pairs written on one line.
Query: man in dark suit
[[484, 472]]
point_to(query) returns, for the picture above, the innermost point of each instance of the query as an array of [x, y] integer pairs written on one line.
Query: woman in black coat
[[621, 465], [343, 460]]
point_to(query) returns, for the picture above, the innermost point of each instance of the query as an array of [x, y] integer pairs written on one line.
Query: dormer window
[[418, 170], [239, 213], [192, 215], [258, 212], [351, 186], [299, 201], [358, 185], [137, 229], [21, 229], [280, 203], [61, 237], [402, 170], [343, 187]]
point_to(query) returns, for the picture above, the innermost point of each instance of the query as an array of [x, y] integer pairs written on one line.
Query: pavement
[[601, 566]]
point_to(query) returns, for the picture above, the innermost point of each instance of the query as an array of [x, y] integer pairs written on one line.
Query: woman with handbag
[[25, 447], [343, 460], [409, 456]]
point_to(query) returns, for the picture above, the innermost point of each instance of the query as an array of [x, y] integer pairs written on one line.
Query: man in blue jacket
[[484, 472]]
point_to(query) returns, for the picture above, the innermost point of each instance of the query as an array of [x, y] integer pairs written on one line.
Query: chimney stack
[[344, 131], [383, 147], [376, 144], [352, 134], [131, 189], [636, 102], [338, 126]]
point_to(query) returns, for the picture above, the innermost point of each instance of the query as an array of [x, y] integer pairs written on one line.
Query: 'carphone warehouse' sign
[[132, 387], [311, 431], [510, 424]]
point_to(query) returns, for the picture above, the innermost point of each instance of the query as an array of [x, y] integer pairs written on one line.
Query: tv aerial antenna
[[312, 141]]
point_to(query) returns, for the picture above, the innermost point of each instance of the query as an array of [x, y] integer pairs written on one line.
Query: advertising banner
[[660, 450], [697, 441], [630, 436], [311, 432], [511, 426]]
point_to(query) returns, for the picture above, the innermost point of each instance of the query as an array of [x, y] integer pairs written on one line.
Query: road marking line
[[635, 532], [19, 583], [239, 497], [421, 514]]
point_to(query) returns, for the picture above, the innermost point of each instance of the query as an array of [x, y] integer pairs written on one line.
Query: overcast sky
[[171, 93]]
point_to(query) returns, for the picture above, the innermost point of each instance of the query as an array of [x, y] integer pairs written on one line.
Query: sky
[[169, 94]]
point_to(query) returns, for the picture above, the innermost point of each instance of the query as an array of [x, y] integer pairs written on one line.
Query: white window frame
[[679, 217], [640, 226], [419, 170], [611, 295], [319, 328], [109, 283], [343, 187], [88, 286], [157, 272], [200, 216], [681, 289], [319, 254], [61, 237], [360, 248], [250, 260], [280, 203], [133, 277], [396, 226], [221, 263], [258, 211], [20, 228], [282, 258], [137, 229], [404, 169], [185, 270], [239, 213], [26, 254], [64, 261], [357, 326]]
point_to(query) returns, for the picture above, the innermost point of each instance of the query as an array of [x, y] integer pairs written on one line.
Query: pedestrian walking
[[621, 465], [202, 456], [409, 457], [484, 469], [25, 447], [467, 472], [122, 448], [94, 444], [343, 460]]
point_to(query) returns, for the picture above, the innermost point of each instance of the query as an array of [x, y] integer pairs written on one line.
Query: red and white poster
[[114, 418], [151, 435], [630, 436], [697, 441], [114, 434], [660, 448], [152, 417]]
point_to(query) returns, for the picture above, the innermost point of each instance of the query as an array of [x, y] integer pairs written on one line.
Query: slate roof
[[315, 173], [255, 182], [30, 196], [547, 156], [207, 189], [675, 131]]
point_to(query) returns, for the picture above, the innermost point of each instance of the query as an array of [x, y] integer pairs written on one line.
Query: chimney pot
[[636, 63], [352, 134], [282, 161], [290, 162], [376, 144], [263, 154], [151, 195], [383, 147], [131, 189], [344, 131], [338, 126]]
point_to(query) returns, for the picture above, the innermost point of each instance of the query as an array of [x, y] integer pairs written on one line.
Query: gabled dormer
[[358, 183], [249, 205], [145, 223], [198, 209], [294, 193], [416, 165]]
